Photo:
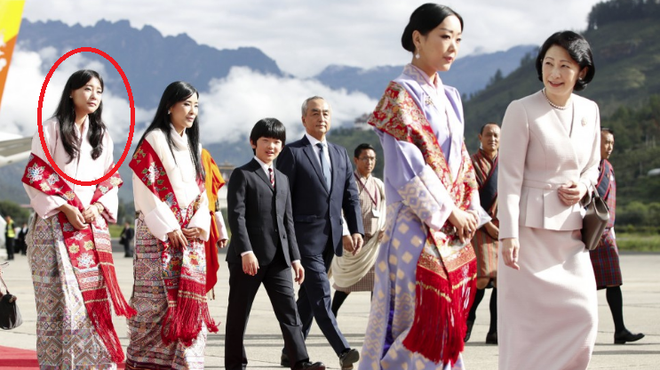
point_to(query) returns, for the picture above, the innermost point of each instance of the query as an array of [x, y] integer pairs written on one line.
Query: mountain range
[[146, 57]]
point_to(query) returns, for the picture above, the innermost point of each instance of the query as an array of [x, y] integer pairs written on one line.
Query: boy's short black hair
[[270, 128], [364, 146]]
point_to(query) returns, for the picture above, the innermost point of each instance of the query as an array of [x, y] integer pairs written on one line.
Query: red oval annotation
[[49, 158]]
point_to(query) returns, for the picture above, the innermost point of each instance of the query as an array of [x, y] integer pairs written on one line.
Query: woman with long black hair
[[173, 222], [69, 242]]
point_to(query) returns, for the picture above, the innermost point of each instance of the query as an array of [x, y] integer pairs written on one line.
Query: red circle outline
[[40, 108]]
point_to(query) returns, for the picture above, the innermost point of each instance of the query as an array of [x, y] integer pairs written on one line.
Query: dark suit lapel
[[335, 158], [280, 192], [256, 167], [313, 157]]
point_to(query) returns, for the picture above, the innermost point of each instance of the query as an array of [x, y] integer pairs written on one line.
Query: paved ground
[[641, 292]]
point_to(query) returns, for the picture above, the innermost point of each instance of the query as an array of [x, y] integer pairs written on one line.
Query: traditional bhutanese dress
[[424, 275], [485, 247], [355, 273], [217, 231], [72, 270], [169, 292], [605, 258]]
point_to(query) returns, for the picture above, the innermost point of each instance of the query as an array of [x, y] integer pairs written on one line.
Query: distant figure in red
[[605, 258]]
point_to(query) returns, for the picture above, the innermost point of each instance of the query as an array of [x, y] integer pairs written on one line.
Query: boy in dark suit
[[263, 248]]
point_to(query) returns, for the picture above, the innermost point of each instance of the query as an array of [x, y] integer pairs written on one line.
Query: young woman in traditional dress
[[549, 156], [68, 241], [425, 268], [169, 292]]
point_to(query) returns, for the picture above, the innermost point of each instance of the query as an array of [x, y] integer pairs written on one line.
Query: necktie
[[272, 177], [325, 166]]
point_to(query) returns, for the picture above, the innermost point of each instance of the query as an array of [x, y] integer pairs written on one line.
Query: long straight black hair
[[66, 116], [177, 92]]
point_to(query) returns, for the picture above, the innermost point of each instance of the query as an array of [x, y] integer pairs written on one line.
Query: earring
[[417, 55], [168, 112]]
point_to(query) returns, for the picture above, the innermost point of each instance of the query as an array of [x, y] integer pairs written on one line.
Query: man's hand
[[492, 230], [250, 264], [357, 243], [299, 272], [347, 242]]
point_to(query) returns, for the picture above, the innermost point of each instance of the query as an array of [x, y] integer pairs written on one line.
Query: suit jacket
[[537, 155], [260, 216], [317, 212]]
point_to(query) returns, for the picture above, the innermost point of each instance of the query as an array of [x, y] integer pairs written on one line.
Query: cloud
[[305, 36], [234, 104], [26, 77]]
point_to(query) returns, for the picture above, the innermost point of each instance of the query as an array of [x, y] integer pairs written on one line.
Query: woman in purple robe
[[433, 208]]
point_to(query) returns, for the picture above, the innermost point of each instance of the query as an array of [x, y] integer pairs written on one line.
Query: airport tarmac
[[641, 295]]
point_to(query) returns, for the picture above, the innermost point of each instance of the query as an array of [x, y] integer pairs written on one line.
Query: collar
[[83, 127], [181, 141], [357, 173], [263, 165], [422, 78], [485, 155], [314, 140]]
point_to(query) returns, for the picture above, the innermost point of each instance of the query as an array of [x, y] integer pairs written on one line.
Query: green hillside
[[624, 36]]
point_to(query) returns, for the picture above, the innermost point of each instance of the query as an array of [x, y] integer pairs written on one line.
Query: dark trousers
[[9, 242], [314, 301], [128, 249], [276, 278]]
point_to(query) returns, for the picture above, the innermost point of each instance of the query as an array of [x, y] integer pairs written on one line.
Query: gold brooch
[[428, 100], [584, 121]]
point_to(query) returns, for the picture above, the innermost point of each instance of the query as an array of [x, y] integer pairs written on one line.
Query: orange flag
[[10, 22]]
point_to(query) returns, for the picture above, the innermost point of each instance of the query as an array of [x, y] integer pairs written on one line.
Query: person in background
[[355, 272], [218, 231], [126, 239], [605, 258], [263, 249], [485, 240], [22, 233], [169, 289], [322, 186], [10, 235], [549, 155], [69, 245], [425, 268]]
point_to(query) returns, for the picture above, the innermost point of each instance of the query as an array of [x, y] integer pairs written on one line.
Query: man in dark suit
[[322, 185], [263, 248]]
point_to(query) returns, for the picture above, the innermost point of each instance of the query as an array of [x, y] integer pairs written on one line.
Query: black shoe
[[348, 358], [306, 365], [468, 332], [284, 360], [491, 338], [626, 336]]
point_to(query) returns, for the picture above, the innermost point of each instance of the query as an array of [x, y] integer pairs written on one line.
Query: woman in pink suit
[[549, 155]]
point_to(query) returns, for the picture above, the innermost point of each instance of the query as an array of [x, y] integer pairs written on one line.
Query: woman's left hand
[[192, 233], [571, 192]]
